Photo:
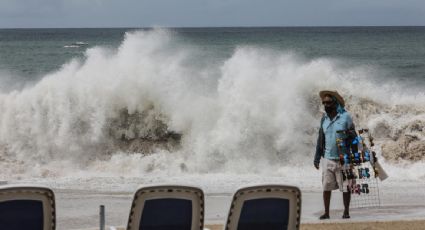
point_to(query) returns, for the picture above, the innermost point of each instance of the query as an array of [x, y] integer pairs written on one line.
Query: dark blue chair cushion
[[166, 214], [264, 214], [21, 215]]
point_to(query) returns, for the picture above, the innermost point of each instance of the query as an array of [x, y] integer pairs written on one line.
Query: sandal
[[345, 216], [324, 217]]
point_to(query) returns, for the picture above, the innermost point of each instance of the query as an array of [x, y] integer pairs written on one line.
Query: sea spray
[[148, 108]]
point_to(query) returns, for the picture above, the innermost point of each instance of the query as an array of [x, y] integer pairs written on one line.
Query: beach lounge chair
[[27, 208], [167, 208], [266, 207]]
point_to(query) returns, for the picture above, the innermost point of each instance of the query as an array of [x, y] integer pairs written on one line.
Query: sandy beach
[[387, 225], [79, 209], [377, 225]]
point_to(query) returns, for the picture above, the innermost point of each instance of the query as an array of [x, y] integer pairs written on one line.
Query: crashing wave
[[149, 105]]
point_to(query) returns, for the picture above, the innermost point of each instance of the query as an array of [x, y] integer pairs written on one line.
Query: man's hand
[[316, 165]]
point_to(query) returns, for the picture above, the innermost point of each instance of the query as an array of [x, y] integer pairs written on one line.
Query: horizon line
[[217, 27]]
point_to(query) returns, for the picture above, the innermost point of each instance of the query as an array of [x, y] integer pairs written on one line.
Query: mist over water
[[153, 106]]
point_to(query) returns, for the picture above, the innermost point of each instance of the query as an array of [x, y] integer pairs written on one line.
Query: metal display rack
[[370, 199]]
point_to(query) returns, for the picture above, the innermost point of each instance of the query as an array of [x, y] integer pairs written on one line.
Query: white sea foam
[[257, 113]]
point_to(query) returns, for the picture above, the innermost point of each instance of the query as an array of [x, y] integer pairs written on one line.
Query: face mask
[[330, 108]]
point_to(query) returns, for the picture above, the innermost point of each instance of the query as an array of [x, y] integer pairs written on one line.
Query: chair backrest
[[167, 208], [23, 208], [271, 207]]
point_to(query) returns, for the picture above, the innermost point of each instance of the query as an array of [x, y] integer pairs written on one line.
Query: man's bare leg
[[346, 198], [326, 202]]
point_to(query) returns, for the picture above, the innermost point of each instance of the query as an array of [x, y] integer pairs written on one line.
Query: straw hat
[[332, 93]]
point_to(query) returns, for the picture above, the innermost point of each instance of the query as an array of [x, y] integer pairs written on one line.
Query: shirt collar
[[336, 117]]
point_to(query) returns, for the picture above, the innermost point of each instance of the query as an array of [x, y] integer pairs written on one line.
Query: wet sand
[[79, 209], [384, 225], [377, 225]]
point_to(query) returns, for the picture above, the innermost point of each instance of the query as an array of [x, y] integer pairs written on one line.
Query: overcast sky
[[200, 13]]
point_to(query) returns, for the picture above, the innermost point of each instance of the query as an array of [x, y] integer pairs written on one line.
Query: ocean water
[[399, 50], [233, 105]]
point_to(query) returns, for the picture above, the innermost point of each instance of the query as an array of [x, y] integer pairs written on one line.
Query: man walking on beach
[[335, 119]]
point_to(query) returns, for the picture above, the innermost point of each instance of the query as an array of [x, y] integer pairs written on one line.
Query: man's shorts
[[332, 176]]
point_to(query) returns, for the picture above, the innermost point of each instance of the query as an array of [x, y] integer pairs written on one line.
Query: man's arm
[[319, 149]]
